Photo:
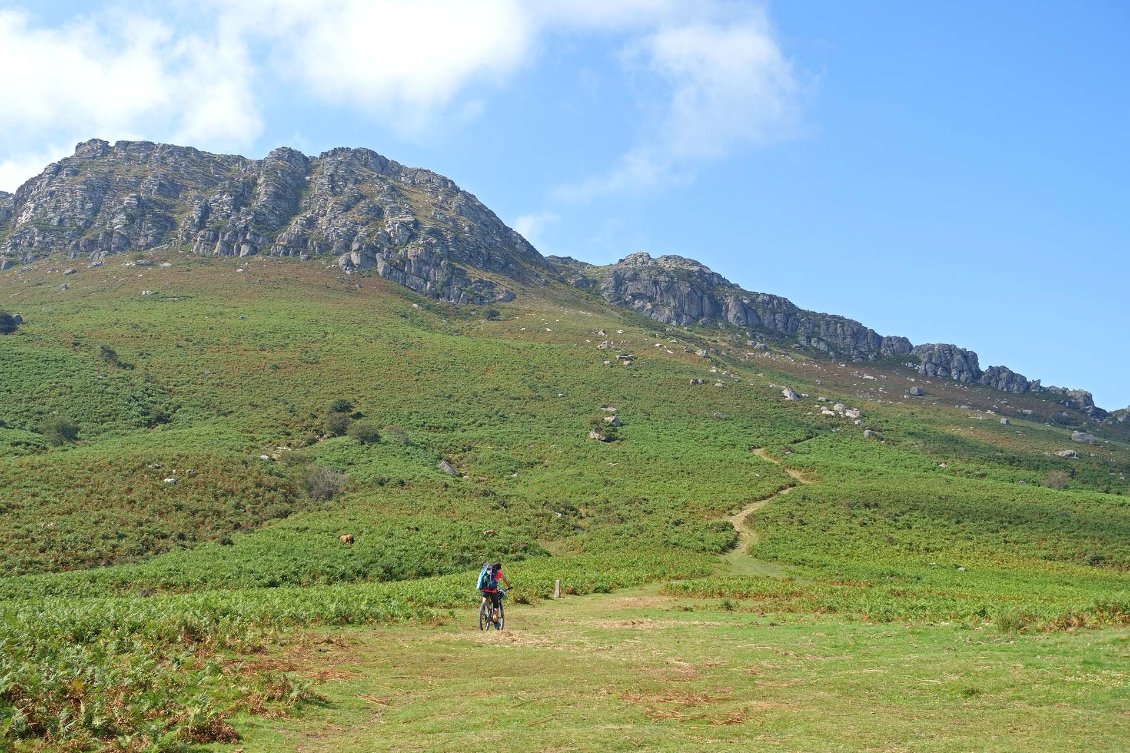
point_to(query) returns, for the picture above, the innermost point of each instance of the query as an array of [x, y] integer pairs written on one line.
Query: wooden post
[[557, 589]]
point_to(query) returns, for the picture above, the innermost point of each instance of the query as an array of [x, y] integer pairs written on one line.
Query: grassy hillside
[[182, 442]]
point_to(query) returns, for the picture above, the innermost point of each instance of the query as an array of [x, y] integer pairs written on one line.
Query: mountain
[[413, 227]]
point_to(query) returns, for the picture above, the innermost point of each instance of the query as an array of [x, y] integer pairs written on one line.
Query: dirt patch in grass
[[645, 623]]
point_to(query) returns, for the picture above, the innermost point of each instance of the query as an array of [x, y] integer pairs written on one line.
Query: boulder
[[1082, 436], [447, 468], [346, 538], [789, 394]]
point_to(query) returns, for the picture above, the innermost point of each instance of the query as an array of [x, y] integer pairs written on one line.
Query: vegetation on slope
[[196, 510]]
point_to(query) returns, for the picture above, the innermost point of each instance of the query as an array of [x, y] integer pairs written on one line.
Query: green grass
[[153, 595], [637, 672]]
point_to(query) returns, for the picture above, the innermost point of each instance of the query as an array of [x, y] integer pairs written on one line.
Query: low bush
[[337, 424], [365, 432], [59, 431], [8, 323], [323, 483]]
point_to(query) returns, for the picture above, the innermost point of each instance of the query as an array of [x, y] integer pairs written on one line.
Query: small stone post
[[557, 589]]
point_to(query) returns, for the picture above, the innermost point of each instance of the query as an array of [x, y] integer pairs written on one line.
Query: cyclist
[[489, 588]]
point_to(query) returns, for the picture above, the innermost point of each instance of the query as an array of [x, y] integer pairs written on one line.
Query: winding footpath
[[739, 560]]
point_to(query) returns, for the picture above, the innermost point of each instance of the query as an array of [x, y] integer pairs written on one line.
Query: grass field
[[637, 671], [177, 469]]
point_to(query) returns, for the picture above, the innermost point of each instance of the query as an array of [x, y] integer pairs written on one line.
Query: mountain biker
[[489, 587]]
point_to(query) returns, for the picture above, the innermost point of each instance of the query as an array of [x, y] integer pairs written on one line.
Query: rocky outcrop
[[1004, 379], [411, 226], [1079, 400], [947, 362], [676, 290]]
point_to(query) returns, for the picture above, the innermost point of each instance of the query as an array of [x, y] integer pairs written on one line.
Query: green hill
[[183, 441]]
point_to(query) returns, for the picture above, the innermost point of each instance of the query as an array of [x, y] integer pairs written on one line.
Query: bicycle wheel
[[484, 615], [501, 615]]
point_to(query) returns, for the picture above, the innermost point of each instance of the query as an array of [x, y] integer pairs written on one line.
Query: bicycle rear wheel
[[484, 615]]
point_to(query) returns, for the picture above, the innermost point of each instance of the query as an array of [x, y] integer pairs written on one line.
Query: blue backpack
[[484, 577]]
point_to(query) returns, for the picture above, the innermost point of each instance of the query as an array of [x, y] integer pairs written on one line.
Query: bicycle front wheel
[[500, 615]]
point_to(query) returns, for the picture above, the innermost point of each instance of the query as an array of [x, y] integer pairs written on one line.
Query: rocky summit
[[414, 227], [411, 226]]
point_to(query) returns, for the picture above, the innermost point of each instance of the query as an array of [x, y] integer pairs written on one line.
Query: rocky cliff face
[[675, 290], [7, 201], [411, 226], [947, 362]]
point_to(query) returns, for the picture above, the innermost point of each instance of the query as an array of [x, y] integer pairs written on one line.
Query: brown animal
[[346, 538]]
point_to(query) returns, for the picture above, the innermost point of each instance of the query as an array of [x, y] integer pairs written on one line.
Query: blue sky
[[947, 171]]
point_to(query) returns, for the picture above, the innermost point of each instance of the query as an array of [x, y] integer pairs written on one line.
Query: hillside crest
[[411, 226]]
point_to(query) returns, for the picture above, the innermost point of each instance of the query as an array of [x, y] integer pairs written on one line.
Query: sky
[[950, 171]]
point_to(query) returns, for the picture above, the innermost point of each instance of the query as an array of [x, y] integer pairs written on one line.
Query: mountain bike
[[488, 615]]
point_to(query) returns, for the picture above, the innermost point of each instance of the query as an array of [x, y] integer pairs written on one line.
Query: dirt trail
[[738, 558]]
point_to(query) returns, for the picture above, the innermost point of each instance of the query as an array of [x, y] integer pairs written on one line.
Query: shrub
[[337, 424], [8, 323], [108, 354], [1056, 480], [59, 431], [323, 483], [1012, 621], [493, 315], [365, 432], [397, 434], [341, 405]]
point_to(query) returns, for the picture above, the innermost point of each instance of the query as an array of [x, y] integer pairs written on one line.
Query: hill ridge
[[413, 227]]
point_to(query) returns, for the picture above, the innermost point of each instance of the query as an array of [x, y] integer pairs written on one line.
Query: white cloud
[[711, 78], [14, 171], [403, 62], [117, 74], [531, 225], [723, 87]]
